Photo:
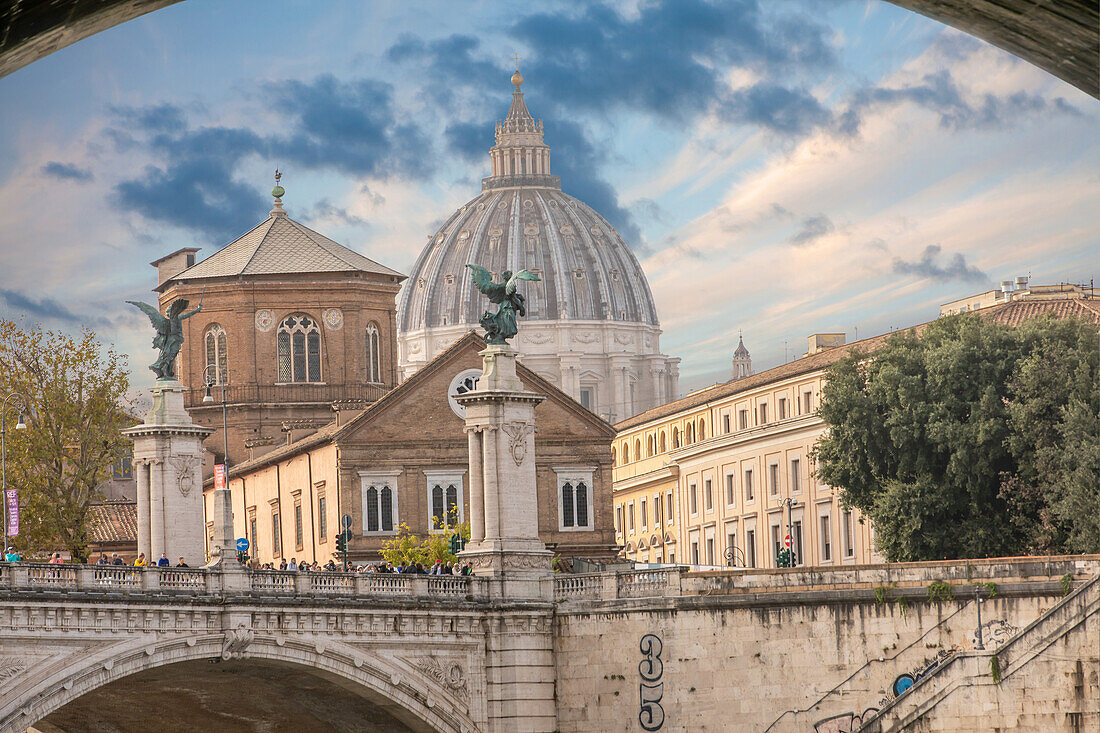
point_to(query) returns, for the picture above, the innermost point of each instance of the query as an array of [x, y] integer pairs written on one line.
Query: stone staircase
[[1045, 678]]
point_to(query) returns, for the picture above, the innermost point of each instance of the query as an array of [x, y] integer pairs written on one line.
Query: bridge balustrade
[[203, 581], [577, 587], [441, 585]]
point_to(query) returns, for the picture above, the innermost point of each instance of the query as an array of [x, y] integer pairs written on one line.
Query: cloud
[[928, 266], [326, 210], [813, 229], [351, 127], [940, 93], [66, 172], [668, 58], [44, 308], [793, 112]]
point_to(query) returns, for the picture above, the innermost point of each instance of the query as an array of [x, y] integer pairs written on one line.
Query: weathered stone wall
[[1045, 679], [759, 653]]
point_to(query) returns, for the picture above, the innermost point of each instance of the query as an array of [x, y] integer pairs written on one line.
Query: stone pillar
[[477, 487], [519, 662], [169, 446], [143, 467], [504, 413]]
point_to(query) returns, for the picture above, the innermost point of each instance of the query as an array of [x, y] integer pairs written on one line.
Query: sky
[[779, 168]]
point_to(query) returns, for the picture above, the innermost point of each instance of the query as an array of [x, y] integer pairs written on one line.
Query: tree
[[957, 443], [408, 548], [76, 391]]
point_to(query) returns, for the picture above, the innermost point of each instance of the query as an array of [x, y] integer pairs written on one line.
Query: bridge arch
[[423, 701]]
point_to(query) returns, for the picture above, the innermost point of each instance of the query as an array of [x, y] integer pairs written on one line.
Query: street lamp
[[210, 380], [19, 425]]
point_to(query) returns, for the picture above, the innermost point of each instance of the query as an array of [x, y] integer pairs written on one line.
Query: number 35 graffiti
[[651, 715]]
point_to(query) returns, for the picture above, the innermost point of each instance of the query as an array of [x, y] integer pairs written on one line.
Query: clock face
[[465, 381]]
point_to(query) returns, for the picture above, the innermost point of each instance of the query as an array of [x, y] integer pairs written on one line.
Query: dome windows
[[217, 355], [299, 346], [374, 359]]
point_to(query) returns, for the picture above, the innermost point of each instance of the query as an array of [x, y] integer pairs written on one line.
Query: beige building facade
[[706, 480], [724, 475]]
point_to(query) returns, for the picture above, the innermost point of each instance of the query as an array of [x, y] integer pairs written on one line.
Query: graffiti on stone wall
[[843, 723], [651, 715]]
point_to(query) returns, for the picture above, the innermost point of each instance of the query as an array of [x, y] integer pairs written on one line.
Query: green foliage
[[990, 589], [1067, 584], [938, 591], [408, 548], [77, 394], [995, 668], [882, 593], [973, 440]]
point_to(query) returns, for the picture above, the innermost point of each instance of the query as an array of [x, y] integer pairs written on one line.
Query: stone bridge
[[121, 648]]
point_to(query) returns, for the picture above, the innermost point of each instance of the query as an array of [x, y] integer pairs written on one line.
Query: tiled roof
[[279, 245], [1018, 311], [115, 521], [804, 365], [1010, 314]]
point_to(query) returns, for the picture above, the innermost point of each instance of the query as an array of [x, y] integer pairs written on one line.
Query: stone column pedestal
[[500, 418], [168, 460]]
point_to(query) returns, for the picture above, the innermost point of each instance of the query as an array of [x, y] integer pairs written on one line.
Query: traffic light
[[783, 558], [341, 542], [458, 543]]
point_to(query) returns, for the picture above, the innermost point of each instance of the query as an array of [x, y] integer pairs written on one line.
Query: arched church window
[[445, 512], [649, 445], [637, 449], [299, 349], [612, 455], [217, 355], [689, 434], [661, 444], [626, 452], [374, 359], [675, 437], [702, 430]]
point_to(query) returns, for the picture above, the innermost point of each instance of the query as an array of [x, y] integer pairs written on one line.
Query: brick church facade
[[292, 324]]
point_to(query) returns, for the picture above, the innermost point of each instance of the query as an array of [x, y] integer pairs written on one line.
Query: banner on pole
[[219, 476], [11, 501]]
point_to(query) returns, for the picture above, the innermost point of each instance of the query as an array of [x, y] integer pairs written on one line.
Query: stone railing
[[125, 579], [609, 586]]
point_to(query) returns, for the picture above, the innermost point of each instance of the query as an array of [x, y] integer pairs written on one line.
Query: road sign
[[242, 544], [219, 476], [345, 521], [787, 540]]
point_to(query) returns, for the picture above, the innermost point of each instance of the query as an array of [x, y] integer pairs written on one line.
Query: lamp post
[[21, 401]]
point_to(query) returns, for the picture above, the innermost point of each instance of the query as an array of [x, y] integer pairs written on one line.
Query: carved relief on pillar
[[517, 433], [185, 467]]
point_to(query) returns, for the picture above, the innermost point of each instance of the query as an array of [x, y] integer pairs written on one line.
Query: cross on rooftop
[[517, 58]]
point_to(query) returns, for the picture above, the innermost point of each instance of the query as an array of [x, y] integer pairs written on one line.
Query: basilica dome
[[592, 301], [587, 272]]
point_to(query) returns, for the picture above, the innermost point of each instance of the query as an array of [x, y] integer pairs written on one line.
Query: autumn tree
[[76, 391], [973, 439]]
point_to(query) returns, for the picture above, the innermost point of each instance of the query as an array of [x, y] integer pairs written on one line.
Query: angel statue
[[501, 326], [169, 338]]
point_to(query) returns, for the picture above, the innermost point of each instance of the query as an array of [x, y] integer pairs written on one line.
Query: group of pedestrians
[[438, 568], [141, 562], [13, 555]]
